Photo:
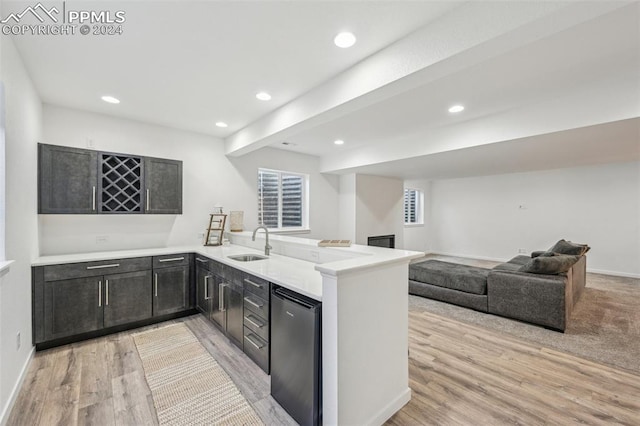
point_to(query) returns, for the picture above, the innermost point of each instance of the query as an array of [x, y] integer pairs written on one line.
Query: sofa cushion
[[469, 279], [513, 264], [567, 247], [549, 265]]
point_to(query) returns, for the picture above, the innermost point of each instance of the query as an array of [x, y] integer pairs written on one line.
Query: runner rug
[[188, 386]]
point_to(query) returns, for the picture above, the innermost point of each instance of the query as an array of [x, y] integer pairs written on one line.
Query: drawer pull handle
[[156, 284], [252, 322], [93, 199], [257, 346], [221, 287], [206, 287], [251, 302], [173, 259], [200, 260], [148, 199], [106, 294], [113, 265], [99, 293], [248, 281]]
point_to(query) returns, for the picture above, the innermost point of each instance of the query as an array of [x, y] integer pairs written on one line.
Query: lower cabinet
[[71, 300], [171, 286], [72, 307], [127, 298], [256, 320]]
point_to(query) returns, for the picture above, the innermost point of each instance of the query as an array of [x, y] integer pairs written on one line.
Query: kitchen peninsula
[[363, 291]]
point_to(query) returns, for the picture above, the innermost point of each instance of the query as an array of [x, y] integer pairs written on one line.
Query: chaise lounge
[[541, 289]]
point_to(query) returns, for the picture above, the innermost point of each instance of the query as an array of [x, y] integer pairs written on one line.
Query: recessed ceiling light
[[111, 99], [221, 124], [338, 142], [456, 108], [263, 96], [345, 40]]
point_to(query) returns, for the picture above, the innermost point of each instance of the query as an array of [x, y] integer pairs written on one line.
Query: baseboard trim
[[6, 410], [390, 409], [495, 259], [614, 273]]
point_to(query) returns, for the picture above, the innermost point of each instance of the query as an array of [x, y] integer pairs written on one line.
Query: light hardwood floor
[[459, 374]]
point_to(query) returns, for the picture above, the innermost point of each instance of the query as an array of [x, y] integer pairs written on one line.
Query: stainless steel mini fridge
[[296, 355]]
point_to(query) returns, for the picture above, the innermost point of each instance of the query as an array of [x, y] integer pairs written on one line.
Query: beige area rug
[[188, 386]]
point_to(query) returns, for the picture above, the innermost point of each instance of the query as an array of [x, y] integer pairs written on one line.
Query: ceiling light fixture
[[338, 142], [221, 124], [345, 40], [111, 99], [263, 96], [456, 108]]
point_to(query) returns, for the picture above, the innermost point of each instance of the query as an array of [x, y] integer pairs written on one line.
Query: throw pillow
[[550, 265], [567, 247], [543, 253]]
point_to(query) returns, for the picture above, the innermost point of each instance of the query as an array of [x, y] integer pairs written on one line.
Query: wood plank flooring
[[462, 374], [459, 374]]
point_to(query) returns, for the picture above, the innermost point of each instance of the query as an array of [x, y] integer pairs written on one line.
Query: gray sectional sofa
[[538, 298]]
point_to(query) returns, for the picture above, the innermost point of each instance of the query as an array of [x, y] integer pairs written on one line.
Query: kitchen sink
[[247, 257]]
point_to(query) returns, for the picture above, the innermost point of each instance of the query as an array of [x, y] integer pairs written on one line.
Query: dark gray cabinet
[[127, 298], [163, 184], [256, 320], [171, 283], [234, 310], [81, 181], [67, 180], [79, 300], [72, 306]]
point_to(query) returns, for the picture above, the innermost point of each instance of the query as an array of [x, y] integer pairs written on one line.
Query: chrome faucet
[[267, 247]]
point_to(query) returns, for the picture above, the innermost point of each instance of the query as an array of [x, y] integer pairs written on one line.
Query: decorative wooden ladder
[[216, 225]]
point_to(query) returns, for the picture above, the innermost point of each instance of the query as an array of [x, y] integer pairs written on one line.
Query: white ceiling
[[189, 64], [533, 76]]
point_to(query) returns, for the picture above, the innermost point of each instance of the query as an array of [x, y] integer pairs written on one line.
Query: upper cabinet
[[80, 181], [163, 182], [67, 180]]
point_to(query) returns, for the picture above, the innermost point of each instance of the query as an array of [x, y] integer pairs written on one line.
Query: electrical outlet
[[521, 250], [102, 239], [200, 236], [18, 341]]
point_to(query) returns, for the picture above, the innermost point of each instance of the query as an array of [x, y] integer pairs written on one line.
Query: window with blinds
[[412, 206], [282, 199]]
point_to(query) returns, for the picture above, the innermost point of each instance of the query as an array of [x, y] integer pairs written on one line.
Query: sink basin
[[247, 257]]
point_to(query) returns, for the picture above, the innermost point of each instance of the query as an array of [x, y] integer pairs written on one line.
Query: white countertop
[[299, 275]]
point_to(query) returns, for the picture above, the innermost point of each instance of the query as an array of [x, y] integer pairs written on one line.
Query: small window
[[413, 206], [282, 199]]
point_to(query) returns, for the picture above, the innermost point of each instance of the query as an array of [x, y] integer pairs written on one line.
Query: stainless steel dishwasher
[[296, 355]]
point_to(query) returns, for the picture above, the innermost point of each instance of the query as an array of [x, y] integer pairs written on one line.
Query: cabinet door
[[204, 289], [67, 180], [72, 306], [163, 182], [235, 319], [170, 290], [217, 310], [127, 298]]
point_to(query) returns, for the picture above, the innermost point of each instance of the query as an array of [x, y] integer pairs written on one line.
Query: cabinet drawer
[[256, 305], [258, 325], [257, 349], [92, 269], [206, 263], [171, 260], [256, 285]]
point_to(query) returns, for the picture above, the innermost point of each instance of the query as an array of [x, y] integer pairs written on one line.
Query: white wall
[[23, 120], [209, 178], [598, 205], [347, 208], [417, 237], [379, 208]]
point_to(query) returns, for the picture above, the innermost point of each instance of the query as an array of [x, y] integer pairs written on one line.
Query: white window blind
[[412, 206], [282, 201]]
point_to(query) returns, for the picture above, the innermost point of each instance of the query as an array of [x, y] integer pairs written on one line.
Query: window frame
[[419, 207], [305, 201]]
